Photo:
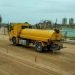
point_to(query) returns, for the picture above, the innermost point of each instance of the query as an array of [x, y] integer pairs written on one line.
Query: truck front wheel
[[14, 41], [38, 46]]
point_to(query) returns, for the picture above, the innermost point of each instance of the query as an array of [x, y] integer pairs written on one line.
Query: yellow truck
[[42, 39]]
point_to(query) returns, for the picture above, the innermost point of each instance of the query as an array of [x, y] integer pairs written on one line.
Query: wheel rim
[[39, 47]]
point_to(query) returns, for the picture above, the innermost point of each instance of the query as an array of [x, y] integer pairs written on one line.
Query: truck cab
[[15, 29]]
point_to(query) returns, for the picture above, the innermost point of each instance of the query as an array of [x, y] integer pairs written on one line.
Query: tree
[[26, 23], [0, 21]]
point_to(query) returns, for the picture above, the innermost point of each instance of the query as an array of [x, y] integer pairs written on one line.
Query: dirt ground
[[19, 60]]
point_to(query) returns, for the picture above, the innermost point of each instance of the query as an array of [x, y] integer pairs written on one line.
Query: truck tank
[[40, 35]]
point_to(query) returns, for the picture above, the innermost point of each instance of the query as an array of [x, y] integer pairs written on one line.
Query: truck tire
[[54, 48], [38, 47], [14, 41]]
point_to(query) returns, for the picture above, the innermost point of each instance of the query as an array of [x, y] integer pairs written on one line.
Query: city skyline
[[33, 11]]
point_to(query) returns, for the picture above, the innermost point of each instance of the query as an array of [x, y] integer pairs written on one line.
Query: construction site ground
[[20, 60]]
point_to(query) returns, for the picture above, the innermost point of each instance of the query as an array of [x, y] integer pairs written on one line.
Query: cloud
[[16, 10]]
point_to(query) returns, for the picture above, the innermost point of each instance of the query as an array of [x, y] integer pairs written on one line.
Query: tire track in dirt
[[11, 61], [62, 63]]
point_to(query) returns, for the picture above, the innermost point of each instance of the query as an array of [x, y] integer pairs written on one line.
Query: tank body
[[40, 35]]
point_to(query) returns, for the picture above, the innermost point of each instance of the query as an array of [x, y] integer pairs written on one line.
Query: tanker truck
[[41, 39]]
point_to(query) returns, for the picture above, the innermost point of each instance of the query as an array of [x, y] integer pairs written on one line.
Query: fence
[[69, 34], [3, 31]]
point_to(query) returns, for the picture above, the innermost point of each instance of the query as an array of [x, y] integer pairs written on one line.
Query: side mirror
[[10, 28]]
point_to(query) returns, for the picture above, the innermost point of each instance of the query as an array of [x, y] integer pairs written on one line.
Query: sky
[[34, 11]]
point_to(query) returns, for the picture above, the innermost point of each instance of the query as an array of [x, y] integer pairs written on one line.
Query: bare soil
[[19, 60]]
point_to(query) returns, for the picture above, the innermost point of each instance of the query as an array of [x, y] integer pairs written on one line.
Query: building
[[71, 21], [64, 21]]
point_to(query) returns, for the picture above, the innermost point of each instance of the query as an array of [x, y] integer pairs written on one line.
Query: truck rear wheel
[[38, 47], [54, 48]]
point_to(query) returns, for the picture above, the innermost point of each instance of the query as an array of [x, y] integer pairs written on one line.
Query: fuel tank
[[40, 35]]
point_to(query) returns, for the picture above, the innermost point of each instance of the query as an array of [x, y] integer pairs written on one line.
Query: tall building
[[71, 21], [64, 21]]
